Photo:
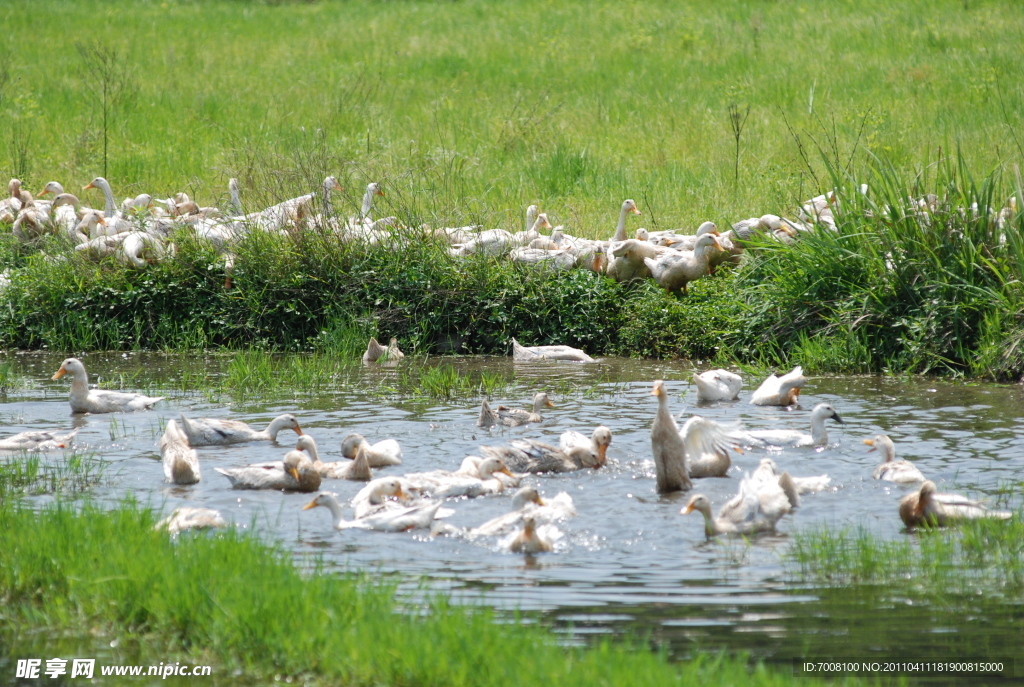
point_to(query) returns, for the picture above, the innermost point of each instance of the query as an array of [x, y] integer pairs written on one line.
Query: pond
[[628, 563]]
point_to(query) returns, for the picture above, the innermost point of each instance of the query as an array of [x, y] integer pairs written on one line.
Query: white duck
[[668, 447], [780, 391], [524, 354], [375, 351], [754, 509], [420, 516], [793, 438], [182, 519], [527, 501], [357, 470], [85, 400], [379, 455], [575, 452], [376, 497], [717, 385], [116, 223], [513, 417], [530, 540], [707, 445], [37, 441], [294, 473], [675, 269], [926, 507], [892, 470], [767, 471], [181, 462], [628, 207], [210, 431], [442, 483]]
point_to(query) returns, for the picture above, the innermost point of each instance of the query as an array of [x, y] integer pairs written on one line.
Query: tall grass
[[71, 474], [245, 605], [894, 288]]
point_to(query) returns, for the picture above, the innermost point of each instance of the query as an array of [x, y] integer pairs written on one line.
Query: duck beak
[[602, 451], [337, 186], [636, 211], [687, 510], [294, 473], [505, 471], [298, 430], [60, 373], [871, 443], [42, 193], [540, 501], [837, 418], [400, 494], [86, 188], [380, 192], [549, 404], [311, 504]]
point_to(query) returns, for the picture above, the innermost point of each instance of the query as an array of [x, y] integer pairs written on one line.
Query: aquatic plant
[[71, 474]]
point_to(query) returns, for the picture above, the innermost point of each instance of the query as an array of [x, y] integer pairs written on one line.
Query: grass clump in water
[[70, 475], [985, 554], [244, 605]]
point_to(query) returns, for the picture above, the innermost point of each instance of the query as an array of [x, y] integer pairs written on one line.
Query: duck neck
[[364, 212], [274, 428], [710, 526], [110, 207], [620, 229], [531, 217], [336, 512], [328, 208], [80, 384], [818, 432], [236, 201]]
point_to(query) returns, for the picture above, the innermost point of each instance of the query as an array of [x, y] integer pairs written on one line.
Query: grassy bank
[[470, 111], [241, 605]]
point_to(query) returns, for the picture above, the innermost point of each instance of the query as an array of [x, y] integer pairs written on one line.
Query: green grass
[[470, 111], [196, 599], [980, 556], [71, 474]]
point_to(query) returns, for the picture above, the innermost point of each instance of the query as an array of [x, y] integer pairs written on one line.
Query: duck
[[523, 354], [627, 260], [513, 417], [688, 242], [780, 391], [768, 471], [182, 519], [707, 444], [36, 440], [753, 510], [792, 438], [628, 207], [529, 540], [294, 473], [928, 508], [376, 497], [115, 219], [181, 462], [357, 470], [380, 455], [85, 400], [717, 385], [375, 351], [291, 212], [575, 452], [675, 269], [527, 501], [210, 431], [668, 447], [443, 483], [235, 198], [403, 519], [890, 469]]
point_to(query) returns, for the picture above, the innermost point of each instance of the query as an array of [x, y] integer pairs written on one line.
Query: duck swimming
[[794, 438], [379, 455], [928, 508], [86, 400], [892, 470], [780, 391], [717, 385], [218, 432], [401, 519], [513, 417]]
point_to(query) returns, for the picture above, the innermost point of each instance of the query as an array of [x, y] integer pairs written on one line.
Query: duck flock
[[141, 229], [422, 500]]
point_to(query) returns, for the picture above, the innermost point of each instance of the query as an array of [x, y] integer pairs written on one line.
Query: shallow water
[[629, 563]]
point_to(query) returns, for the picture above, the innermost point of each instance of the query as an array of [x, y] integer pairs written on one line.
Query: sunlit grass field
[[469, 111]]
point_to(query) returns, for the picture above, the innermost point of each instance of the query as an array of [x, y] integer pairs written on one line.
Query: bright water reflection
[[629, 561]]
